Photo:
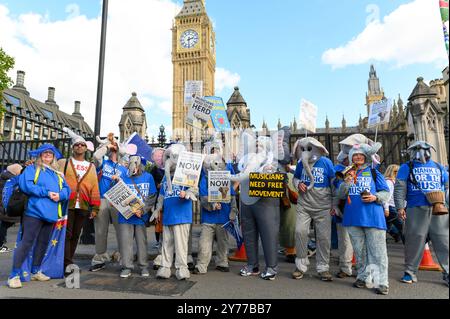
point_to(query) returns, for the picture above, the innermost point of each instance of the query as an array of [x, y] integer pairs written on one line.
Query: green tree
[[6, 64]]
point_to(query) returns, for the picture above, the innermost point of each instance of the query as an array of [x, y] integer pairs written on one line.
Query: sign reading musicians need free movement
[[267, 185], [219, 190], [189, 167]]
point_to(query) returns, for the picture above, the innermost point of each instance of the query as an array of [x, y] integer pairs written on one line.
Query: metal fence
[[393, 150]]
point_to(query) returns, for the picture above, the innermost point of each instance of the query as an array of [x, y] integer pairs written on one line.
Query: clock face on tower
[[189, 39]]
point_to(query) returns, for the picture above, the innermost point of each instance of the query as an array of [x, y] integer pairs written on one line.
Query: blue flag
[[142, 148], [53, 262], [219, 115], [232, 226]]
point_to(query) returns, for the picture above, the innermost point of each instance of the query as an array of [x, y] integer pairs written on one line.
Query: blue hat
[[43, 148]]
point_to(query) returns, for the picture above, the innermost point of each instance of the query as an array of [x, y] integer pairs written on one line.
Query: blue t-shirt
[[176, 210], [359, 214], [217, 216], [322, 171], [147, 187], [109, 169], [429, 178]]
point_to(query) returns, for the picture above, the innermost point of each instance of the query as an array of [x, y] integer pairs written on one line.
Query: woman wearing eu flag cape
[[40, 244]]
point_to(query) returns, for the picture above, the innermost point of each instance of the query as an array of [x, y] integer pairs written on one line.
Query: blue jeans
[[369, 245]]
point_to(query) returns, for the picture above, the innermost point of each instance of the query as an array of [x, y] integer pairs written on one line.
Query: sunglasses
[[79, 145]]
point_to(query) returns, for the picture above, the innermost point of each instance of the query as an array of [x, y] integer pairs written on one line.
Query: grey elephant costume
[[420, 220], [107, 212], [259, 216], [176, 232], [214, 215], [315, 171]]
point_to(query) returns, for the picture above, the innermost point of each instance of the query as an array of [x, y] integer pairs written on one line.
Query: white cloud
[[225, 78], [64, 54], [410, 34]]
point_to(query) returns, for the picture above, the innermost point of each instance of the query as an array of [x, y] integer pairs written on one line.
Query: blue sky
[[277, 50]]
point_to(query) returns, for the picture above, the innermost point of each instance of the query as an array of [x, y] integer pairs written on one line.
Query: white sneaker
[[4, 249], [14, 282], [39, 276]]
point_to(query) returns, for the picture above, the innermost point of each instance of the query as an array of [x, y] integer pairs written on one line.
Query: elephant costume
[[313, 178], [420, 220], [260, 217]]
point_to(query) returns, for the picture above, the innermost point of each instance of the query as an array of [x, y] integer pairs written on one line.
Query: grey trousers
[[345, 249], [322, 224], [420, 222], [261, 219], [101, 224], [128, 232], [206, 246], [175, 239]]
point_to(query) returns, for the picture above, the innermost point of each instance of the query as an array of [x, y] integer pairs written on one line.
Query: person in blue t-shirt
[[213, 216], [106, 169], [365, 191], [416, 178], [313, 178], [176, 203], [143, 186]]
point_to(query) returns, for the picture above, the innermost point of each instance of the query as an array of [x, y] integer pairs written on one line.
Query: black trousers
[[3, 231], [75, 222]]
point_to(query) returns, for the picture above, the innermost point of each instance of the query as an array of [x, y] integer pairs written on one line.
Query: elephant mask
[[309, 150], [420, 151]]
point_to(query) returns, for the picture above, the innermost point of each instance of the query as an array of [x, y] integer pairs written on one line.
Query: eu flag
[[53, 262], [232, 226], [142, 148]]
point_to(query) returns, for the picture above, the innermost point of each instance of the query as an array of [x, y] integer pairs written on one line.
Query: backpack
[[18, 200]]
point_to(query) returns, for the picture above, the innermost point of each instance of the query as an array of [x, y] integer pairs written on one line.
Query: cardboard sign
[[267, 185], [219, 186], [379, 113], [200, 109], [189, 167], [192, 88], [308, 115], [219, 115]]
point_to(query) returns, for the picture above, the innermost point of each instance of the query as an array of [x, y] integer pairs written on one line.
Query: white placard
[[379, 113], [189, 167], [124, 200], [200, 109], [192, 88], [219, 186], [308, 116]]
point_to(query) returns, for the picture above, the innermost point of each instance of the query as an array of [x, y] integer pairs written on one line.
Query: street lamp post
[[101, 66]]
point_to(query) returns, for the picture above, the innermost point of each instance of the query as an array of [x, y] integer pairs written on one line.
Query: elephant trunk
[[422, 156], [306, 156], [167, 167]]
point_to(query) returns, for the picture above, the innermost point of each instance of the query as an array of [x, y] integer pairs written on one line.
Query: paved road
[[217, 285]]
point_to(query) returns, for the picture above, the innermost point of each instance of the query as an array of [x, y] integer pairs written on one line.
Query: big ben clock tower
[[193, 58]]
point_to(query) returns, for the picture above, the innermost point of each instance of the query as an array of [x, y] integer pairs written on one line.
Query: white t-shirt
[[81, 168]]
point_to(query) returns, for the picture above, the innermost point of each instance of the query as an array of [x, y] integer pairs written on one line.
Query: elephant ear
[[247, 145], [280, 142], [157, 156], [296, 153], [355, 139]]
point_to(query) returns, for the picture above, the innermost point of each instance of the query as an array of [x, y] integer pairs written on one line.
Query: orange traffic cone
[[427, 262], [353, 260], [239, 255]]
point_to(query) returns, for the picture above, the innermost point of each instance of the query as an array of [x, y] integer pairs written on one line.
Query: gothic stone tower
[[133, 119], [193, 57], [375, 93]]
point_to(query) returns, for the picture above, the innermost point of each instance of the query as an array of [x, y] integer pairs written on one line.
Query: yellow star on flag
[[54, 242], [59, 226]]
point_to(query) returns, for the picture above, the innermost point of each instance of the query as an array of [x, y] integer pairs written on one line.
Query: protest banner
[[219, 187], [124, 200], [200, 109], [269, 185], [188, 169], [142, 148], [192, 88], [308, 116], [219, 115], [379, 112]]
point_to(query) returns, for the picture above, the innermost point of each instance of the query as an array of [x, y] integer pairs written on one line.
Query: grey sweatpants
[[322, 224], [101, 225], [175, 239], [206, 246], [419, 223], [261, 219], [345, 249], [127, 232]]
